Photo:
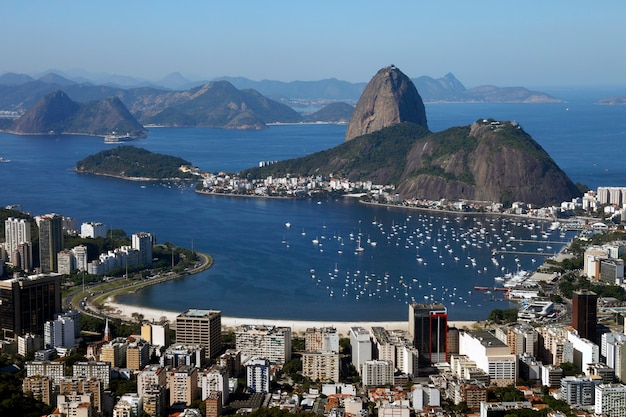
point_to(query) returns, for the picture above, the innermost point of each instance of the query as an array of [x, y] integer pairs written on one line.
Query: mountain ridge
[[56, 113]]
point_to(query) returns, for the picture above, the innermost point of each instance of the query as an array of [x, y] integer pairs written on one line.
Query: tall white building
[[29, 343], [92, 230], [585, 351], [269, 342], [258, 375], [16, 231], [215, 379], [425, 396], [66, 262], [143, 243], [610, 400], [80, 257], [384, 347], [377, 373], [361, 346], [407, 359], [59, 333]]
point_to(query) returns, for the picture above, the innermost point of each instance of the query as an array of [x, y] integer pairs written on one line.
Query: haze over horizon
[[558, 43]]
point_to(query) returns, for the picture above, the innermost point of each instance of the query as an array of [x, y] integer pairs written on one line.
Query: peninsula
[[388, 142]]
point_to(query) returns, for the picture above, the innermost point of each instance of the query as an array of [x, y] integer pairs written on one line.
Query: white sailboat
[[359, 248]]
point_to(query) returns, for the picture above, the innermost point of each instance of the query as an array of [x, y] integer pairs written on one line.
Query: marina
[[428, 244]]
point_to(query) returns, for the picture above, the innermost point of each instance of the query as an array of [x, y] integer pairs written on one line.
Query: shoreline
[[113, 309], [125, 311], [470, 213], [138, 179], [274, 197]]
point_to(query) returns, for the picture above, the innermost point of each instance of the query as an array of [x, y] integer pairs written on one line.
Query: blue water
[[263, 268]]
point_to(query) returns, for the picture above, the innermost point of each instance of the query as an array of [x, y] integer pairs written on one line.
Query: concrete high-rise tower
[[50, 241], [16, 231], [143, 243]]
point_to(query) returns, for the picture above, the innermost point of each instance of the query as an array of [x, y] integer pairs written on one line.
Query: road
[[87, 301]]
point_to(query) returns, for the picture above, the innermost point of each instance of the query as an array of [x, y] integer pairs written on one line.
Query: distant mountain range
[[447, 88], [233, 103]]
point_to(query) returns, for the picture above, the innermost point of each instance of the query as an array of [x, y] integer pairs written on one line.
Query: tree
[[503, 316], [570, 369]]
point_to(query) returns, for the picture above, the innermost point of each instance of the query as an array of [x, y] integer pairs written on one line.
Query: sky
[[504, 43]]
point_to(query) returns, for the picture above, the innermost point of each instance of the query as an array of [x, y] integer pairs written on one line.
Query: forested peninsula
[[132, 163]]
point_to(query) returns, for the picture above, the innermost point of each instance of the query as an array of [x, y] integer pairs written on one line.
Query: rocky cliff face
[[388, 99], [487, 161]]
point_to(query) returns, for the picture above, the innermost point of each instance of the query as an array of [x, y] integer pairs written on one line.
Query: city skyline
[[506, 44]]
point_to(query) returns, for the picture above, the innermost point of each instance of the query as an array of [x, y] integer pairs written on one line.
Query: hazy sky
[[506, 43]]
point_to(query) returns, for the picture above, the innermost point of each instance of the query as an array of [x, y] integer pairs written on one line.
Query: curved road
[[86, 301]]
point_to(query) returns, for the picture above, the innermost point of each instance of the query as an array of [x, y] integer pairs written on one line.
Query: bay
[[262, 267]]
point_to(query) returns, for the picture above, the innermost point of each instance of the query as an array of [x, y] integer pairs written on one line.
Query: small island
[[137, 164], [613, 101]]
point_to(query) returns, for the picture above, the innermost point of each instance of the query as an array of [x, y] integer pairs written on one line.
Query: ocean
[[265, 269]]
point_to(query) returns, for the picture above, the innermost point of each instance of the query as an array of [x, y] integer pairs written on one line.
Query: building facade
[[361, 347], [321, 339], [50, 241], [27, 303], [269, 342], [183, 385], [143, 243], [428, 328], [258, 375], [16, 231], [610, 400], [321, 366], [585, 313], [200, 327], [377, 373]]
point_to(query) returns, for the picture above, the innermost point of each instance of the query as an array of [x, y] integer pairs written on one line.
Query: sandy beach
[[298, 327]]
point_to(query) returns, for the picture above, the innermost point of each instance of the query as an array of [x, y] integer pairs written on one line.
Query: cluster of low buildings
[[290, 187]]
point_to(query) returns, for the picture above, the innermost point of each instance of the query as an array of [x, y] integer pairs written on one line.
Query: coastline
[[125, 312], [470, 213], [113, 309], [275, 197], [139, 179]]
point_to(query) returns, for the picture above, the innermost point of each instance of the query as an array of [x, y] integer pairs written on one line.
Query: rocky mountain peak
[[388, 99]]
